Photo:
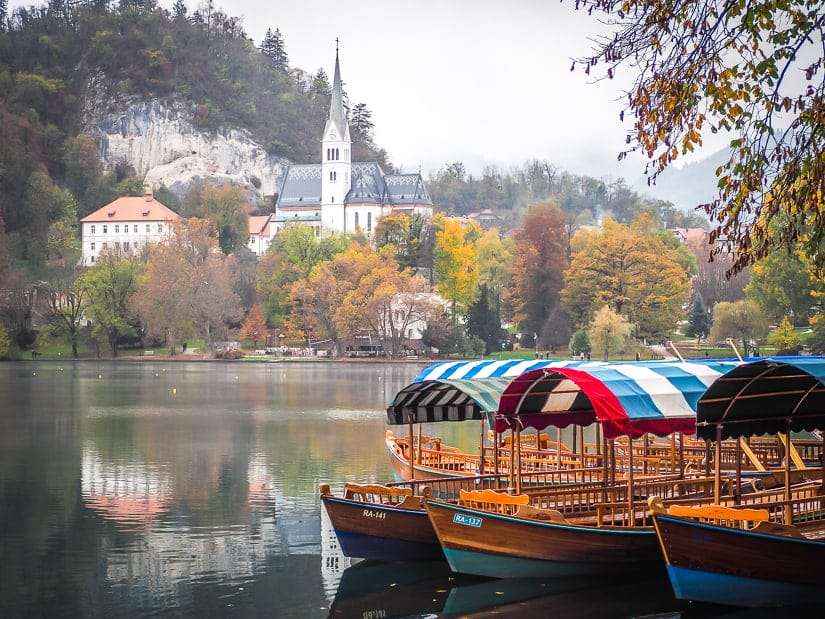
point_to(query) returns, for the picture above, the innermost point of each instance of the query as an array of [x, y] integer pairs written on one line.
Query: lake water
[[190, 489]]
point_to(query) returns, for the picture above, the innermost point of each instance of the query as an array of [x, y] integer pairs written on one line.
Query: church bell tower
[[336, 158]]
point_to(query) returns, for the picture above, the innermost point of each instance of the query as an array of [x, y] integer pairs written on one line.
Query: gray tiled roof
[[301, 186]]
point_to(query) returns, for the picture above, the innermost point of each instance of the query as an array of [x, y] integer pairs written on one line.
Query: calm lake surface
[[190, 489]]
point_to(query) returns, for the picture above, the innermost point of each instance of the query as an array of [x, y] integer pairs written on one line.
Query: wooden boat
[[403, 532], [527, 535], [773, 555]]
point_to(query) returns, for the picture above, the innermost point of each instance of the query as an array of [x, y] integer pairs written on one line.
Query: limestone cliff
[[160, 141]]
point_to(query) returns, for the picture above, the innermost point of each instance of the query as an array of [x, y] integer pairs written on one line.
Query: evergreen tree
[[484, 320], [698, 325], [178, 9], [273, 48]]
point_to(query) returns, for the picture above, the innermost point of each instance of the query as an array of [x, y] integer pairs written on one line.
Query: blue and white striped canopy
[[487, 368]]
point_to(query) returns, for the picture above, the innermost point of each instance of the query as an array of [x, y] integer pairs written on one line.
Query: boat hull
[[709, 563], [382, 532], [501, 546]]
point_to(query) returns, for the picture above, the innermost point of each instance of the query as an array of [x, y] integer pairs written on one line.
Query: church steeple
[[336, 157], [337, 114]]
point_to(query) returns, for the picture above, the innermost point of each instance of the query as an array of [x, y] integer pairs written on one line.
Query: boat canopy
[[659, 397], [447, 399], [491, 368], [765, 397]]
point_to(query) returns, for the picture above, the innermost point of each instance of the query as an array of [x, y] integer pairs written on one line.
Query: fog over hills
[[687, 186]]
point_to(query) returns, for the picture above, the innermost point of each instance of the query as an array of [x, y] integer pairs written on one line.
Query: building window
[[117, 228], [147, 229], [369, 222], [333, 200], [92, 246], [333, 176], [126, 245], [105, 229], [160, 227], [134, 229], [105, 246], [337, 157], [356, 220], [93, 228], [92, 259]]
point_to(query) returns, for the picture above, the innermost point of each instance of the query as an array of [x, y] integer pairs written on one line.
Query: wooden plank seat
[[492, 501], [740, 517], [383, 495]]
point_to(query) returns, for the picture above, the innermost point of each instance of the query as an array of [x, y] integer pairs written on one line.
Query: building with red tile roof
[[126, 225]]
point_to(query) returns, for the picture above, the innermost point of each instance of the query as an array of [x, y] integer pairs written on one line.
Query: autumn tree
[[66, 300], [387, 302], [785, 339], [228, 208], [608, 331], [254, 326], [291, 256], [539, 260], [742, 322], [456, 264], [781, 284], [635, 272], [111, 282], [748, 69], [186, 289], [405, 234], [712, 281]]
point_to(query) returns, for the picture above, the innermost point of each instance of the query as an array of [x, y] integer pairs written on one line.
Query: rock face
[[159, 140]]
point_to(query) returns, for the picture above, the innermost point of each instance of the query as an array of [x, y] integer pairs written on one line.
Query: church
[[341, 195]]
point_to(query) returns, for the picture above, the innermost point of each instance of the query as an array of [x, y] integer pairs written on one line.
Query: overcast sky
[[473, 81], [482, 82]]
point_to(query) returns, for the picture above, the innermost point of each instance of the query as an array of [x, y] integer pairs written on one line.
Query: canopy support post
[[738, 488], [717, 473], [411, 451], [788, 507], [630, 514]]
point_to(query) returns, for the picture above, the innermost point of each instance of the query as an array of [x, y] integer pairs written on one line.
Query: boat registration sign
[[468, 521]]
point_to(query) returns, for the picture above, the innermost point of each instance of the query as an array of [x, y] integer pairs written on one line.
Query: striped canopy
[[631, 399], [765, 397], [490, 368], [447, 400], [460, 390]]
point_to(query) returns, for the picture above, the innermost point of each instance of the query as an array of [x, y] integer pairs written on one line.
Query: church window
[[336, 155], [333, 176], [356, 220], [333, 199], [369, 222]]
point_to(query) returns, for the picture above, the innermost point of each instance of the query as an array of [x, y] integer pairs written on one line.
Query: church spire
[[337, 113]]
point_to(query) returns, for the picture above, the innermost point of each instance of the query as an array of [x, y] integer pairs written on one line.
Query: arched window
[[369, 222], [356, 220]]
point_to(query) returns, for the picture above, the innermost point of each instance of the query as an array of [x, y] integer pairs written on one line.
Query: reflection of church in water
[[167, 552]]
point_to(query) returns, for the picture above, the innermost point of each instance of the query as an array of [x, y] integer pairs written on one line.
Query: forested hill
[[58, 58], [49, 55]]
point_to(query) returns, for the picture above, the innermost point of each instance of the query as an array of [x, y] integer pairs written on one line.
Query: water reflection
[[133, 489]]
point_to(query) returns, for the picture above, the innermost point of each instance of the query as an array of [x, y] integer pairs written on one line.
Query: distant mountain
[[688, 186]]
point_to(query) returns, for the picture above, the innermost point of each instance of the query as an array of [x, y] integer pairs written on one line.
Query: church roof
[[407, 189], [301, 186]]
